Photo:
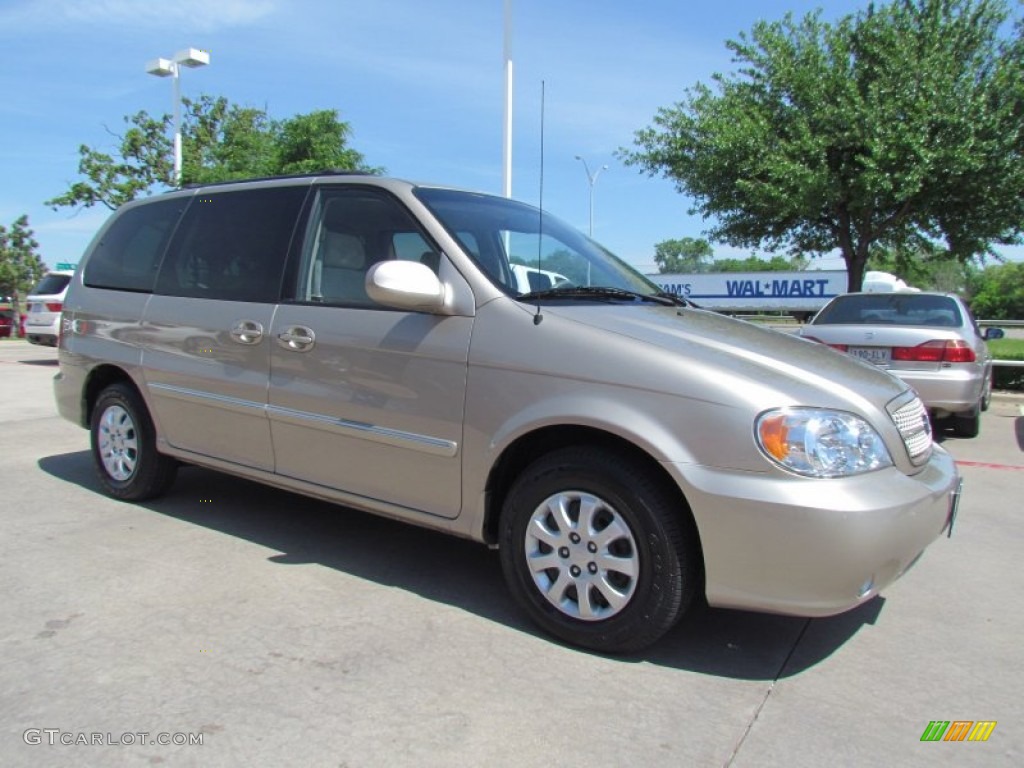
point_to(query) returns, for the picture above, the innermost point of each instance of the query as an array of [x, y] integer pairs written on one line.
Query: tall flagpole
[[507, 139]]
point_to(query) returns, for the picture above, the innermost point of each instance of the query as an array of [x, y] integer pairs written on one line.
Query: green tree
[[998, 292], [754, 264], [144, 160], [223, 141], [686, 255], [220, 141], [20, 265], [316, 141], [948, 276], [894, 126], [798, 261], [926, 266], [565, 262]]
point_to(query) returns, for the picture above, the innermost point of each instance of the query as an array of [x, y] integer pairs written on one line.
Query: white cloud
[[199, 14]]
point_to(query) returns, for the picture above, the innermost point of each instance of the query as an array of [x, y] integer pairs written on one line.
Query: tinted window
[[409, 246], [350, 231], [128, 255], [51, 285], [892, 309], [232, 245]]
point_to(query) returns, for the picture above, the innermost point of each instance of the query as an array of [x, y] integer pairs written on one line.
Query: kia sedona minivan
[[368, 341], [43, 307]]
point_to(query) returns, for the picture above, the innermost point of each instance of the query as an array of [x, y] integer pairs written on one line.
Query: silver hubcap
[[118, 442], [582, 556]]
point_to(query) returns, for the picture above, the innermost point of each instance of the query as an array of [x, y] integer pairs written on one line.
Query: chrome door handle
[[297, 338], [247, 332]]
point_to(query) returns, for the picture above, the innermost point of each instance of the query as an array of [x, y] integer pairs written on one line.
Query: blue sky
[[420, 82]]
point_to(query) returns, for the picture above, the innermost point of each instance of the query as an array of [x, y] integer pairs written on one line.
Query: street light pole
[[506, 150], [191, 58], [592, 180]]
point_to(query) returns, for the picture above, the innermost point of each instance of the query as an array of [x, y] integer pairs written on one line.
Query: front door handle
[[247, 332], [297, 338]]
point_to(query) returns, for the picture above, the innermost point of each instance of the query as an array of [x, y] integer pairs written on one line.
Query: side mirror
[[405, 285], [994, 333]]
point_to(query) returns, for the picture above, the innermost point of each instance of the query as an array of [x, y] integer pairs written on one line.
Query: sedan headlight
[[816, 442]]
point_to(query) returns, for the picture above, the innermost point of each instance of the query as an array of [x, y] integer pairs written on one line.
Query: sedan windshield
[[532, 256]]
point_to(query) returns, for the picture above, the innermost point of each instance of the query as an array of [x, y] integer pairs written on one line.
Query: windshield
[[524, 255]]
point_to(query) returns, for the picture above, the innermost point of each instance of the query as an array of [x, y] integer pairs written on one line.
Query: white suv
[[44, 306]]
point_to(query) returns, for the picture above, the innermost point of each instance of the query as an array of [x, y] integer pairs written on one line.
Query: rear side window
[[51, 285], [128, 255], [232, 245]]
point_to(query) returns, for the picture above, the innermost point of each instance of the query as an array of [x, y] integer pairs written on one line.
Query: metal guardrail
[[1005, 324], [1001, 323]]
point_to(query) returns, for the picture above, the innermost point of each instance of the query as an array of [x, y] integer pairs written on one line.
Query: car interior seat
[[343, 270]]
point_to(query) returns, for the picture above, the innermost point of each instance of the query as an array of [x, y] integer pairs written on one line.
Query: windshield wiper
[[602, 292], [677, 300]]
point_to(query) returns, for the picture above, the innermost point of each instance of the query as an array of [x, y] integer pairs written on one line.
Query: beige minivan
[[365, 340]]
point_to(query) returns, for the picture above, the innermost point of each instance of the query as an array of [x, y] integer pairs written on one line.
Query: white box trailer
[[798, 293]]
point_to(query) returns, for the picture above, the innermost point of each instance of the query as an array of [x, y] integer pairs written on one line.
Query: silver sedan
[[929, 340]]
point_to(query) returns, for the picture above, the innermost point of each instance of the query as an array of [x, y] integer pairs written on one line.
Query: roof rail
[[311, 174]]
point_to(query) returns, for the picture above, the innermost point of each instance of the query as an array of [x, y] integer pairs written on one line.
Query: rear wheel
[[597, 550], [124, 447]]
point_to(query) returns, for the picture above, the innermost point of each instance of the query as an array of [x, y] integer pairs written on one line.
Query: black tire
[[660, 547], [986, 397], [124, 447], [967, 424]]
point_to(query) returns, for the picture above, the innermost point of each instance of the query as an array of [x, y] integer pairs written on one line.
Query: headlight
[[816, 442]]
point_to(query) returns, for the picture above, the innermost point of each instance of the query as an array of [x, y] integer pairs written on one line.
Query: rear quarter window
[[128, 255]]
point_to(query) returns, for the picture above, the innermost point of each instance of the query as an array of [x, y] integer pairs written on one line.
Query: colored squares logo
[[958, 730]]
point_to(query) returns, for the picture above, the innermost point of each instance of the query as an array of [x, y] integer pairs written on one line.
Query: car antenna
[[538, 318]]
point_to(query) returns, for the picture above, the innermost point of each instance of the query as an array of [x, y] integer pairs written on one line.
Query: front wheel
[[598, 551], [124, 447]]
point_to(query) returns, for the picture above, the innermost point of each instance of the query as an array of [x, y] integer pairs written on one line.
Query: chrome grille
[[915, 429]]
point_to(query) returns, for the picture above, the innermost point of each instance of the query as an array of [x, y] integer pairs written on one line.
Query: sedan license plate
[[876, 355]]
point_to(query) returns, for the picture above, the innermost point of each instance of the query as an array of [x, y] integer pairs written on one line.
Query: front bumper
[[784, 544]]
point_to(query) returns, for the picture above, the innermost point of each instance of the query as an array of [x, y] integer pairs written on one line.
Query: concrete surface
[[289, 632]]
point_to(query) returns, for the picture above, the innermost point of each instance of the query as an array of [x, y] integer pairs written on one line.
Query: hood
[[768, 367]]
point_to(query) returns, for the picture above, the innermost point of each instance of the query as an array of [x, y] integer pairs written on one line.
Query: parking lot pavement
[[285, 631]]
